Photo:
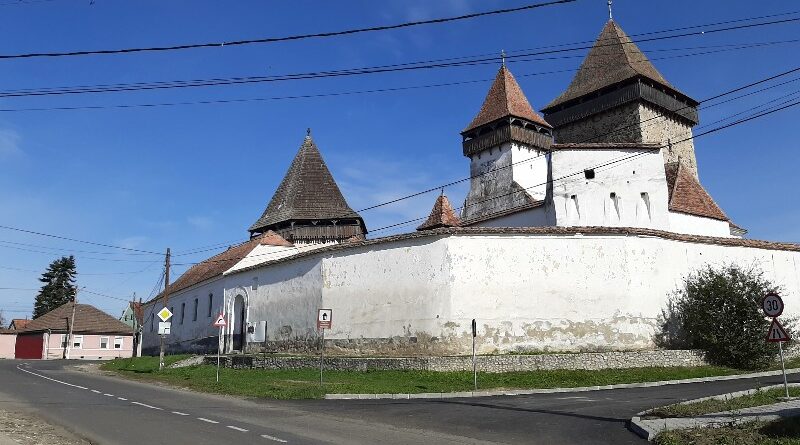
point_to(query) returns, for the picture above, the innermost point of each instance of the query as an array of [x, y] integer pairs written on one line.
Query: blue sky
[[190, 176]]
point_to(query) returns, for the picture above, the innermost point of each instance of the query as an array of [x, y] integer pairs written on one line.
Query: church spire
[[308, 205]]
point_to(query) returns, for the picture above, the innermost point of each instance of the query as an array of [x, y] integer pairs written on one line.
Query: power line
[[31, 232], [70, 250], [341, 93], [286, 38], [426, 64]]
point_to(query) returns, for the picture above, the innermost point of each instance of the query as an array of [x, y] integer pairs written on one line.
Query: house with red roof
[[74, 331]]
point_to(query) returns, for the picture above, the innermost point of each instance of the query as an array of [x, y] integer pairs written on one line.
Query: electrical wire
[[266, 40], [31, 232]]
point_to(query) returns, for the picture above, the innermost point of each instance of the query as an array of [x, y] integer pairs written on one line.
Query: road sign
[[772, 305], [777, 333], [220, 323], [164, 314], [164, 327], [324, 318]]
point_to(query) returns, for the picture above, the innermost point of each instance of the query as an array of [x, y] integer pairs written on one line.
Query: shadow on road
[[537, 411]]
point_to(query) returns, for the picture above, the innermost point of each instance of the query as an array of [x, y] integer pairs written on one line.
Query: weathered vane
[[610, 17]]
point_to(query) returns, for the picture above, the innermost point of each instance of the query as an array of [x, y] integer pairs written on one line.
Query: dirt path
[[27, 429]]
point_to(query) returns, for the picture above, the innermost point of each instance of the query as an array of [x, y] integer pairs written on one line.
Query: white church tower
[[506, 143]]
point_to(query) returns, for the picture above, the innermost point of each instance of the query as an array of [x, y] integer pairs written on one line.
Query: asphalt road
[[111, 411]]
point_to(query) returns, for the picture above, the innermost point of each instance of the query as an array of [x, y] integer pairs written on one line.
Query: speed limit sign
[[772, 305]]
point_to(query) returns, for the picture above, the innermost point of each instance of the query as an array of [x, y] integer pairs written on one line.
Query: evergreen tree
[[58, 288]]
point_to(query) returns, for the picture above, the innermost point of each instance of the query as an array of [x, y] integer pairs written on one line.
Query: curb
[[524, 392], [641, 429]]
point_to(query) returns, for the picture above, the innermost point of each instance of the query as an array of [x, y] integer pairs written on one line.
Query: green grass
[[304, 383], [781, 432], [759, 398]]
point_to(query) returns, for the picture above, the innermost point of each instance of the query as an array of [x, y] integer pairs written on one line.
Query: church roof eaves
[[613, 59], [307, 192], [505, 99], [545, 231]]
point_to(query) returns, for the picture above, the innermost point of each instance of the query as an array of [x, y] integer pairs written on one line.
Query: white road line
[[237, 428], [179, 413], [147, 406], [53, 380], [122, 398], [207, 420], [109, 395], [267, 436], [96, 391]]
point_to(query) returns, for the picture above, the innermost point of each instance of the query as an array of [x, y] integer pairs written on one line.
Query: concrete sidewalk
[[650, 428]]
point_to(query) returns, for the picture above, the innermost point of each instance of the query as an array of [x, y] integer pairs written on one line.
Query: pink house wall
[[90, 349], [7, 343]]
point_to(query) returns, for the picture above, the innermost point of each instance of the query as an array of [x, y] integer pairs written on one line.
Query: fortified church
[[578, 224]]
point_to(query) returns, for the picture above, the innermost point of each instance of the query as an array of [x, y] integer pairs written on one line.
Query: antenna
[[610, 16]]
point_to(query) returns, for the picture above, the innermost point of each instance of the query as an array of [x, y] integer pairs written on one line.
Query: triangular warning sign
[[776, 332], [220, 323]]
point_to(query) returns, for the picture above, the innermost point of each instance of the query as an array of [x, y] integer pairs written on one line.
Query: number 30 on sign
[[772, 304]]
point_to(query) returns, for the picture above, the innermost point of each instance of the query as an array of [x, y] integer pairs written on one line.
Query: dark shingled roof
[[686, 195], [505, 98], [88, 320], [614, 58], [442, 215], [307, 192]]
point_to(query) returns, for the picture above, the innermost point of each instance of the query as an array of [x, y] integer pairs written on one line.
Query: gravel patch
[[27, 429]]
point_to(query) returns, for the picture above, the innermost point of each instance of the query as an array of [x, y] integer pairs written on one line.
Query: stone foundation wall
[[486, 363]]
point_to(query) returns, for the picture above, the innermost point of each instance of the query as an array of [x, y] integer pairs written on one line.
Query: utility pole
[[165, 300], [71, 323]]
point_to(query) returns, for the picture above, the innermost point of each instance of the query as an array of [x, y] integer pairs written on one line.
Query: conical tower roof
[[505, 98], [614, 58], [442, 215], [308, 192]]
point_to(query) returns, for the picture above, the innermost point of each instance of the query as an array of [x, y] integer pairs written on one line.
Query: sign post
[[772, 304], [324, 319], [163, 330], [474, 363], [220, 323]]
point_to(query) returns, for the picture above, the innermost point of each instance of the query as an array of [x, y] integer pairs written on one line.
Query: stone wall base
[[485, 363]]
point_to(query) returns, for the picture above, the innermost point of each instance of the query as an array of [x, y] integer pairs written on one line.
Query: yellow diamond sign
[[164, 314]]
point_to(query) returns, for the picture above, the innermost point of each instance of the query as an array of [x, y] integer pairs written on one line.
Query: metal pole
[[474, 366], [71, 323], [219, 347], [321, 356], [783, 367], [166, 300]]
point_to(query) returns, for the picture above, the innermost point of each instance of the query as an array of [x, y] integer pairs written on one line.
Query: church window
[[210, 303], [573, 211], [616, 206], [195, 309], [643, 210], [589, 173], [183, 312]]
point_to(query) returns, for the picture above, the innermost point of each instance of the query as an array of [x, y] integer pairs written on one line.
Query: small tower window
[[615, 205], [589, 173], [643, 210]]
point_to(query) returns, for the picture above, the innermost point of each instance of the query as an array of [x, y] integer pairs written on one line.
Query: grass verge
[[304, 383], [766, 397], [781, 432]]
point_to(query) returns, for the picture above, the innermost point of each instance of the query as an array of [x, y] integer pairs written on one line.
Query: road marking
[[96, 391], [122, 398], [53, 380], [207, 420], [109, 395], [267, 436], [147, 406], [237, 428], [179, 413]]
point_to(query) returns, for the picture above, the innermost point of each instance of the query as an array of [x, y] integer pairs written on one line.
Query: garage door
[[29, 346]]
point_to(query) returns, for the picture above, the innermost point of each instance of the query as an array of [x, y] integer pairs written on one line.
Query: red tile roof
[[614, 58], [19, 323], [215, 266], [686, 195], [88, 320], [505, 98], [442, 215]]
